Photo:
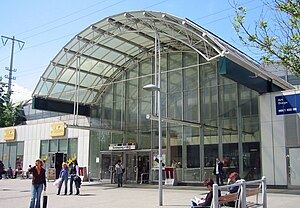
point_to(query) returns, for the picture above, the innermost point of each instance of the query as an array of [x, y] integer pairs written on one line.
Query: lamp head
[[151, 87]]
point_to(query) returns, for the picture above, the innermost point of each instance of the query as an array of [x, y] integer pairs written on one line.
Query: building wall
[[275, 131], [37, 130]]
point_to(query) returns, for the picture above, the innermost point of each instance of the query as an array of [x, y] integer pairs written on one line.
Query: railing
[[242, 192]]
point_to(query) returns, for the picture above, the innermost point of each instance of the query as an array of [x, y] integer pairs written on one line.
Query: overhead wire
[[97, 12], [79, 18]]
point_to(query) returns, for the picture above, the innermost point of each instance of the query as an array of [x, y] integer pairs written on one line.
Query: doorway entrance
[[56, 160], [135, 163]]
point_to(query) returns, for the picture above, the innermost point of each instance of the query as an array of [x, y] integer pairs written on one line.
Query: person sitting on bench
[[206, 201], [233, 178]]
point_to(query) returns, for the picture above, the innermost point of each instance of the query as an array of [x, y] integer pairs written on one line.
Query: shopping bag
[[57, 182], [45, 200]]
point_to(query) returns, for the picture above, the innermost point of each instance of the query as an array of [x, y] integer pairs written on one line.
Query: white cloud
[[20, 93]]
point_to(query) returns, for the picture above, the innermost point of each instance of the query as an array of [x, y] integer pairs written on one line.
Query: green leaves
[[9, 115], [280, 40]]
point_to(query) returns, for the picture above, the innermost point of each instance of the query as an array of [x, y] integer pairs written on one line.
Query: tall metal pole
[[11, 66], [21, 45], [157, 56]]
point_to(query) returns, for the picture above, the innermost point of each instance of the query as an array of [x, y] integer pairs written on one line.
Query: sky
[[46, 26]]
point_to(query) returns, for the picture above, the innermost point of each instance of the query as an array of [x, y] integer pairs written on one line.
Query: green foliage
[[10, 114], [279, 41]]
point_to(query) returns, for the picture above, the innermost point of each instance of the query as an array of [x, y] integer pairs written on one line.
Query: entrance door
[[59, 159], [107, 164], [131, 167], [106, 167], [294, 166], [143, 167]]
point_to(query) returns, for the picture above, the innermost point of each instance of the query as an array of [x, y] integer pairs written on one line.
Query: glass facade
[[49, 148], [207, 116], [11, 154]]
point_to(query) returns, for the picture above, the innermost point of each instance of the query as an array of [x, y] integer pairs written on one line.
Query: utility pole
[[10, 69]]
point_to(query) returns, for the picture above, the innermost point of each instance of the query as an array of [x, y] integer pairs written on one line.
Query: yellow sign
[[9, 134], [57, 130]]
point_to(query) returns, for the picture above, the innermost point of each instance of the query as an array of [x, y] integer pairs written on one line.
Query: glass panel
[[145, 140], [62, 145], [1, 151], [131, 165], [191, 105], [190, 71], [118, 105], [105, 140], [105, 166], [175, 105], [53, 146], [192, 141], [12, 155], [94, 153], [251, 161], [176, 142], [20, 148], [231, 158], [44, 148], [131, 115], [67, 75], [175, 75], [6, 155], [72, 148], [117, 138]]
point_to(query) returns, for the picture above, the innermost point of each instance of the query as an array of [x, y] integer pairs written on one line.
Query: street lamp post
[[157, 89]]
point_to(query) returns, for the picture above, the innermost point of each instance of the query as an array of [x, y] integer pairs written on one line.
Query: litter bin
[[170, 177], [83, 173]]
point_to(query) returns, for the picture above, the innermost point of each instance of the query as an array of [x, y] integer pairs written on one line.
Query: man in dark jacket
[[219, 172]]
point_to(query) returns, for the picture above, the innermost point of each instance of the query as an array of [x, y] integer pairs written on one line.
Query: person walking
[[64, 174], [119, 171], [219, 172], [74, 173], [1, 169], [38, 182]]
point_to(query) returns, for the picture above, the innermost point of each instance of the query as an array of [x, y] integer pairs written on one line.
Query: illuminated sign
[[57, 129], [9, 134], [127, 146]]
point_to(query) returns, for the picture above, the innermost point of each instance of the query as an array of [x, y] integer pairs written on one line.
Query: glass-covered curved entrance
[[209, 97], [205, 116]]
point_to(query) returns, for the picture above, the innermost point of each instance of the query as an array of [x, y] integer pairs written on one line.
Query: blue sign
[[287, 104]]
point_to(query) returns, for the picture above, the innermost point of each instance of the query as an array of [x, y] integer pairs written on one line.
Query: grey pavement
[[16, 193]]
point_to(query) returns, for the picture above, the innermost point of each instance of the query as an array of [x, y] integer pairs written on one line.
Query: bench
[[241, 197], [229, 198], [253, 192]]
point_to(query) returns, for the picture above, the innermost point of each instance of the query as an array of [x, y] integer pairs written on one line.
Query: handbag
[[45, 200]]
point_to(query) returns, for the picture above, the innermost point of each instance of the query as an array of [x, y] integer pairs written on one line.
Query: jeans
[[64, 180], [71, 183], [36, 192], [120, 179]]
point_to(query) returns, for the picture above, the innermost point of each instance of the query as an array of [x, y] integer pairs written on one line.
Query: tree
[[10, 114], [278, 37]]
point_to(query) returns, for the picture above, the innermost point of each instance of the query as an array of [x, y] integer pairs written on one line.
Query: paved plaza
[[16, 193]]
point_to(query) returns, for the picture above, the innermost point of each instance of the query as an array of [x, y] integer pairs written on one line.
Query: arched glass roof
[[102, 51]]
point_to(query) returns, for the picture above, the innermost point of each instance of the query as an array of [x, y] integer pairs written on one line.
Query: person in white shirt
[[119, 172]]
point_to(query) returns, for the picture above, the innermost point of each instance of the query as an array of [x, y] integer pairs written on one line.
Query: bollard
[[242, 201], [215, 201], [264, 191]]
